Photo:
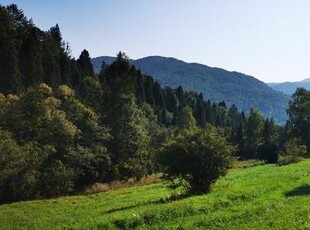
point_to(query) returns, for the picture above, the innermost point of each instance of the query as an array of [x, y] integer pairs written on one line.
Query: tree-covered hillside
[[290, 87], [216, 84], [64, 128]]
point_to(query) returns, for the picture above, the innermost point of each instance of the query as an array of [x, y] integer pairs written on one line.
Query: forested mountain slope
[[216, 84], [290, 87]]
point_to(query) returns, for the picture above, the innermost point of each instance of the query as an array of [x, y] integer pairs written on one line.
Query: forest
[[63, 127]]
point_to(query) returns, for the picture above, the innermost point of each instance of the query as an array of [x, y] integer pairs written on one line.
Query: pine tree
[[200, 113], [85, 64], [30, 58], [253, 130], [10, 79]]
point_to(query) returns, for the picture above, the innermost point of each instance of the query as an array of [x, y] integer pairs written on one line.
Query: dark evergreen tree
[[209, 113], [253, 130], [158, 96], [85, 65], [268, 150], [149, 91], [30, 57], [10, 79], [180, 94], [51, 58], [200, 112]]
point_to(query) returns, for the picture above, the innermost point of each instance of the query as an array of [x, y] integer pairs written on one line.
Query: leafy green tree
[[37, 117], [21, 168], [200, 157], [299, 110], [185, 119], [89, 157], [292, 152], [57, 180]]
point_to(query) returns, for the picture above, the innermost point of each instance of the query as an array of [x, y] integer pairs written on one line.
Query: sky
[[268, 39]]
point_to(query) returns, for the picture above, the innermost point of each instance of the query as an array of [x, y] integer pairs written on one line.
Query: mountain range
[[290, 87], [216, 84]]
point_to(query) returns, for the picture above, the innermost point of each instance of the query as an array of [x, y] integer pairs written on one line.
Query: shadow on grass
[[172, 198], [299, 191], [125, 208], [160, 201]]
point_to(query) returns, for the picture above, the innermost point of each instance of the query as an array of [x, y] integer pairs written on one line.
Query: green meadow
[[259, 197]]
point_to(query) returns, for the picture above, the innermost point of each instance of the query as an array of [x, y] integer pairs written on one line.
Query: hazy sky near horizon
[[268, 39]]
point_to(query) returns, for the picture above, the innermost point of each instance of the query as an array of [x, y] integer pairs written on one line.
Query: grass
[[259, 197]]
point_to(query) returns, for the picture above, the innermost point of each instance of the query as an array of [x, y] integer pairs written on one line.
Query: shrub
[[292, 152], [198, 156]]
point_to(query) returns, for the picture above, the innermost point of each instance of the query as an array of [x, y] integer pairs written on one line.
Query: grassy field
[[260, 197]]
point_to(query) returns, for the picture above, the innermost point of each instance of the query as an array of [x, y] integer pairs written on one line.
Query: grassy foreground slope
[[261, 197]]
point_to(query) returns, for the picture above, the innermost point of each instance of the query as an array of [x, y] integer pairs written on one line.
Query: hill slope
[[261, 197], [216, 84], [290, 87]]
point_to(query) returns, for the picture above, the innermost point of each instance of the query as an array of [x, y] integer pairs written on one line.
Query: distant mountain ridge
[[216, 84], [290, 87]]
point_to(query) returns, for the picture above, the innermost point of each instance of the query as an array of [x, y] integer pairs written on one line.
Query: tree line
[[63, 127]]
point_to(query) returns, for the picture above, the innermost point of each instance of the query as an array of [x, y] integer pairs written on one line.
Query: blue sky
[[268, 39]]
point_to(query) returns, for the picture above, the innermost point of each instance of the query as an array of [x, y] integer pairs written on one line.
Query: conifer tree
[[85, 64], [10, 79], [253, 130]]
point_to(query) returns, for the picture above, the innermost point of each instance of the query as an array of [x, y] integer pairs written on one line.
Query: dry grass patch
[[104, 187]]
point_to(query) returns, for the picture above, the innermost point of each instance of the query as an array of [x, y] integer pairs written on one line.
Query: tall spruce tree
[[85, 64], [253, 130], [10, 79]]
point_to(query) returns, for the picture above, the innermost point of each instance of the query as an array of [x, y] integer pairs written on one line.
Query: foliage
[[185, 119], [299, 110], [292, 152], [54, 145], [268, 150], [215, 84], [200, 157], [19, 174], [253, 130], [71, 128]]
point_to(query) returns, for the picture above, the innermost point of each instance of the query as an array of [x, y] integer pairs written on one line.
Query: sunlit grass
[[260, 197]]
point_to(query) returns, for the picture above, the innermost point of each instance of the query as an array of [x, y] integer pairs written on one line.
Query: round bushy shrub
[[198, 156]]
